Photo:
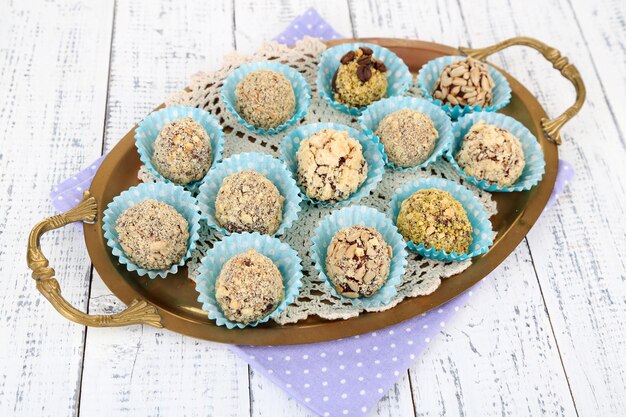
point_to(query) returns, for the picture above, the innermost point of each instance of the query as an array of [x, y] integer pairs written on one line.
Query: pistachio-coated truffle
[[361, 79]]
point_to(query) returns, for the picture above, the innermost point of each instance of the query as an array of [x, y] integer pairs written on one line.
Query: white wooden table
[[543, 335]]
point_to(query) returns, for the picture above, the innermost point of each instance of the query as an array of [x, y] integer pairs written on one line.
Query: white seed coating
[[491, 153], [153, 234], [249, 287]]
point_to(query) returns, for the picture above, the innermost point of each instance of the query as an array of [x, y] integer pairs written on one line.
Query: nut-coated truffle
[[465, 82], [360, 79]]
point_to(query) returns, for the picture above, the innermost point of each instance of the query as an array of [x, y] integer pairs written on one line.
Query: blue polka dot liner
[[372, 152], [533, 155], [168, 193], [375, 113], [273, 169], [365, 216], [281, 254], [482, 233], [399, 78], [429, 74], [149, 128], [301, 90]]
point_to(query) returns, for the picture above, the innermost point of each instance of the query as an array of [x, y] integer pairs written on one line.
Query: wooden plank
[[499, 356], [54, 62], [266, 398], [140, 370], [578, 245]]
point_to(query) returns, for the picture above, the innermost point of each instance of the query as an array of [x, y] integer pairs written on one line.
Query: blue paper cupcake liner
[[273, 169], [533, 155], [149, 128], [399, 78], [168, 193], [281, 254], [365, 216], [482, 233], [429, 74], [372, 152], [301, 90], [375, 113]]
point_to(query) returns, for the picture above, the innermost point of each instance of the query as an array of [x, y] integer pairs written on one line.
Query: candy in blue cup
[[429, 74], [535, 164], [375, 113], [301, 90], [148, 130], [482, 233], [284, 257], [168, 193], [273, 169], [372, 152], [399, 78], [368, 217]]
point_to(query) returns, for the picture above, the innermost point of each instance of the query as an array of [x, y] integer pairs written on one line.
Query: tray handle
[[551, 127], [138, 311]]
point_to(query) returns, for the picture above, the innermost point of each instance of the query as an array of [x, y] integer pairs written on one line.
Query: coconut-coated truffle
[[331, 165], [265, 99], [409, 137], [153, 234], [358, 261], [248, 202], [491, 153], [182, 151], [249, 287], [360, 79], [433, 217]]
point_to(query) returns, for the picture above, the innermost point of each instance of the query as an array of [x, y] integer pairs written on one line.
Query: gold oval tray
[[171, 302]]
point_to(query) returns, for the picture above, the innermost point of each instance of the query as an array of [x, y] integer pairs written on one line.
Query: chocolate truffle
[[358, 261], [331, 165], [249, 287], [182, 151], [465, 82], [265, 99], [249, 202], [153, 234], [408, 136], [361, 79], [433, 217], [491, 153]]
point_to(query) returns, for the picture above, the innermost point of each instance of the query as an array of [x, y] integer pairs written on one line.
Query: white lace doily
[[422, 276]]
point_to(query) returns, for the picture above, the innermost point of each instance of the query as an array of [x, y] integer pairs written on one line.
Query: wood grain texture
[[140, 370], [54, 61]]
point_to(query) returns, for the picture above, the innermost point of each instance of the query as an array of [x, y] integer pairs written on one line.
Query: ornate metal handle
[[569, 71], [138, 312]]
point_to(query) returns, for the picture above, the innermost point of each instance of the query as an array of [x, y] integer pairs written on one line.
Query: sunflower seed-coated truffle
[[433, 217], [249, 287], [361, 79], [153, 234], [265, 99], [465, 82], [408, 136], [248, 202], [491, 153], [182, 151], [331, 165], [358, 261]]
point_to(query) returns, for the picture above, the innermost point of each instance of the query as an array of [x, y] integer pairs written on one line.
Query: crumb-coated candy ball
[[465, 82], [331, 165], [265, 99], [358, 261], [153, 234], [361, 79], [433, 217], [491, 153], [408, 136], [248, 202], [249, 287], [182, 151]]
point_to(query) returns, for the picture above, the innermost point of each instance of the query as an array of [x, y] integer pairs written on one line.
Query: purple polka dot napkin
[[346, 376]]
